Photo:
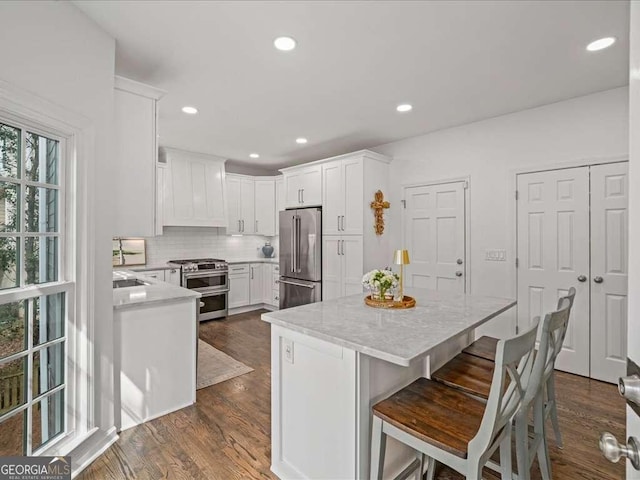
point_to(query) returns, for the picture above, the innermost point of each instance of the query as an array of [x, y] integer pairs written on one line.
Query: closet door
[[609, 258], [553, 255]]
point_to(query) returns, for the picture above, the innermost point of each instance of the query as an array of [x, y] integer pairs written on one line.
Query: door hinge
[[517, 196], [517, 263], [404, 203]]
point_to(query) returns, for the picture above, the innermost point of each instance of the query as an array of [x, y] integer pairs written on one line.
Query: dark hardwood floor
[[226, 434]]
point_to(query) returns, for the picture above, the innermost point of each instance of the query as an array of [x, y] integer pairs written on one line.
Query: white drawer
[[238, 269]]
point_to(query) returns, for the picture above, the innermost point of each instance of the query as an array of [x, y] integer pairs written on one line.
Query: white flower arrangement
[[380, 280]]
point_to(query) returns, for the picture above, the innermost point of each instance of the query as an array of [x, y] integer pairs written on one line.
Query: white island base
[[331, 361]]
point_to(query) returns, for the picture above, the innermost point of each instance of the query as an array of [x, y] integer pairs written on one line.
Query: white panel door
[[609, 269], [633, 326], [352, 264], [311, 186], [292, 187], [553, 255], [434, 234], [332, 198], [331, 267], [256, 283], [353, 196]]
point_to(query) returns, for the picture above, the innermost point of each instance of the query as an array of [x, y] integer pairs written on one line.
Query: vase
[[267, 250]]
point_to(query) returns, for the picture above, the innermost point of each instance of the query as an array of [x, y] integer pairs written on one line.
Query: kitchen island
[[156, 332], [332, 360]]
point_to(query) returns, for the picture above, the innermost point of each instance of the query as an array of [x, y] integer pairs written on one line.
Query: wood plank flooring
[[226, 434]]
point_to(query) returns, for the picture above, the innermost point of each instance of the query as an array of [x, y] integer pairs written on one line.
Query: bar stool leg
[[551, 399], [522, 447], [541, 438], [378, 448], [505, 455]]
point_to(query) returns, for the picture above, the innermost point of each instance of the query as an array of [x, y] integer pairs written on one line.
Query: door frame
[[513, 207], [467, 219]]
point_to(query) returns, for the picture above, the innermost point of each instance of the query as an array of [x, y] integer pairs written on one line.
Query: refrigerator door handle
[[298, 228], [296, 284], [293, 244]]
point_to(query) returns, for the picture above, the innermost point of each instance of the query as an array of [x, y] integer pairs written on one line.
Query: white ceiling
[[456, 62]]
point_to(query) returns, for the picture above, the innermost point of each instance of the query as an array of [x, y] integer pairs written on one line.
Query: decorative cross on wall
[[378, 205]]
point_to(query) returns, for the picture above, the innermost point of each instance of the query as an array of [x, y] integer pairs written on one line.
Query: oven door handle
[[211, 291], [208, 273], [297, 284]]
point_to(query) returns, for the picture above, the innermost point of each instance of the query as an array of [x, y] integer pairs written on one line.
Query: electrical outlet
[[288, 350], [495, 255]]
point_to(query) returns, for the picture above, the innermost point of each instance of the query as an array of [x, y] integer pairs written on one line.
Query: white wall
[[54, 51], [197, 242], [489, 151]]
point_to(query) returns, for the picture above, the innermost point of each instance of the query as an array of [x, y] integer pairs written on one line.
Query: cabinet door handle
[[338, 246], [256, 226], [342, 242], [251, 273], [242, 226], [342, 222], [239, 226], [299, 201]]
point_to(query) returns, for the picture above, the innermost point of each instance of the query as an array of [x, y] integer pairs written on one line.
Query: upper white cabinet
[[194, 190], [136, 151], [342, 196], [241, 204], [265, 207], [342, 265], [303, 186]]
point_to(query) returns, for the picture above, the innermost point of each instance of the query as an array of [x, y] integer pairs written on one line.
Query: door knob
[[598, 279], [458, 273], [201, 304], [582, 278], [613, 451], [459, 261], [629, 388]]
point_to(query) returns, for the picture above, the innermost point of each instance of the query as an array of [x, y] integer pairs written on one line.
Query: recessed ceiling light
[[254, 155], [405, 107], [601, 44], [301, 140], [286, 44], [190, 110]]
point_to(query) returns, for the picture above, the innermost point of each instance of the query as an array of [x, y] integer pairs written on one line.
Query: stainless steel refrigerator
[[300, 257]]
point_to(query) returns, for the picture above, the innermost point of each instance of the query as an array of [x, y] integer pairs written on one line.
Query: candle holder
[[401, 257]]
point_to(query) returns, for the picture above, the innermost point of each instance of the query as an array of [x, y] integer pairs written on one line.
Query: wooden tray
[[406, 302]]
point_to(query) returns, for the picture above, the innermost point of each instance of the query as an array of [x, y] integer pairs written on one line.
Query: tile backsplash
[[198, 242]]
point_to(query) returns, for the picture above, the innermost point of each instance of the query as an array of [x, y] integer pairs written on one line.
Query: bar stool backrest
[[511, 375], [552, 332]]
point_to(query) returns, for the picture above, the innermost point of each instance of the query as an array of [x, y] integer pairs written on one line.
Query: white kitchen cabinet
[[256, 284], [239, 285], [342, 265], [241, 204], [172, 276], [342, 197], [265, 207], [194, 190], [303, 186], [280, 201], [157, 274], [267, 275], [135, 156]]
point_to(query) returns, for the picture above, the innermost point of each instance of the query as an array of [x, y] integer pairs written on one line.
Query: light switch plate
[[288, 349], [495, 255]]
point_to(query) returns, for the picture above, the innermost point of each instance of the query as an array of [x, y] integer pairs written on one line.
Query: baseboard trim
[[95, 446], [251, 308]]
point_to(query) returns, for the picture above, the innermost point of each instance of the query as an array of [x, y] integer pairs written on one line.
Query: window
[[34, 290]]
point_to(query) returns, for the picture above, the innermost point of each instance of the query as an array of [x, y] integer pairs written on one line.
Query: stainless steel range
[[210, 277]]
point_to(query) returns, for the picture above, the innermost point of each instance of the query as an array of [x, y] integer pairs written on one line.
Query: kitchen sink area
[[129, 282]]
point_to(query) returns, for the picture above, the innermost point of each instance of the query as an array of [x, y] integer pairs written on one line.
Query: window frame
[[76, 262]]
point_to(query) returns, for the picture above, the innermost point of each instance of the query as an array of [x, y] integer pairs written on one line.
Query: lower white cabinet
[[172, 276], [342, 265], [157, 274], [256, 282], [239, 285]]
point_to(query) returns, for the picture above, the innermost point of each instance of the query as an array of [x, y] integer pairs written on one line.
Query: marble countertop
[[274, 261], [155, 292], [396, 336]]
